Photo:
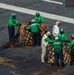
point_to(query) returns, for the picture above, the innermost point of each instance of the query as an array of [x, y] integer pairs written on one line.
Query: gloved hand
[[18, 25]]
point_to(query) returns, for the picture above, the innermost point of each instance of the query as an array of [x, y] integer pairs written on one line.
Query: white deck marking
[[53, 2], [32, 12]]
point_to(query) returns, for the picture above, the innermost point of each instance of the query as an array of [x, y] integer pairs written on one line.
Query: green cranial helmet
[[72, 36], [37, 14], [61, 30], [13, 14]]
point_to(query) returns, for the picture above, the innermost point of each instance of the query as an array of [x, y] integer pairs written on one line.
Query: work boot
[[68, 65]]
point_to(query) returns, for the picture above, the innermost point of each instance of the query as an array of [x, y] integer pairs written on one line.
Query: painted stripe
[[53, 2], [32, 12]]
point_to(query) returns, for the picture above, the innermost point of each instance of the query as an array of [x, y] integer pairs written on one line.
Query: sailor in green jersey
[[12, 22], [71, 44], [34, 28], [38, 18], [44, 42], [58, 54], [62, 35]]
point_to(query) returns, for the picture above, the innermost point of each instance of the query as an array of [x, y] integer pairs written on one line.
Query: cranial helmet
[[37, 14], [61, 30], [13, 14], [33, 20], [48, 33], [72, 36], [57, 22]]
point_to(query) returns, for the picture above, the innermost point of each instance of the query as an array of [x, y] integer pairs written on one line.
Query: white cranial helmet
[[48, 33], [57, 22]]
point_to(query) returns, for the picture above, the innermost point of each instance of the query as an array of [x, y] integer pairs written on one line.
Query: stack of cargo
[[50, 54], [42, 29], [66, 54], [27, 37]]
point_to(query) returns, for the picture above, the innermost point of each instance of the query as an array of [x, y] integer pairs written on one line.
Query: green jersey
[[34, 27], [71, 43], [48, 40], [62, 37], [39, 19], [12, 22], [57, 45]]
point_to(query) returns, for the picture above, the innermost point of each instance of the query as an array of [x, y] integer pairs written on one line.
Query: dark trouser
[[11, 31], [72, 55], [35, 38], [58, 55]]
